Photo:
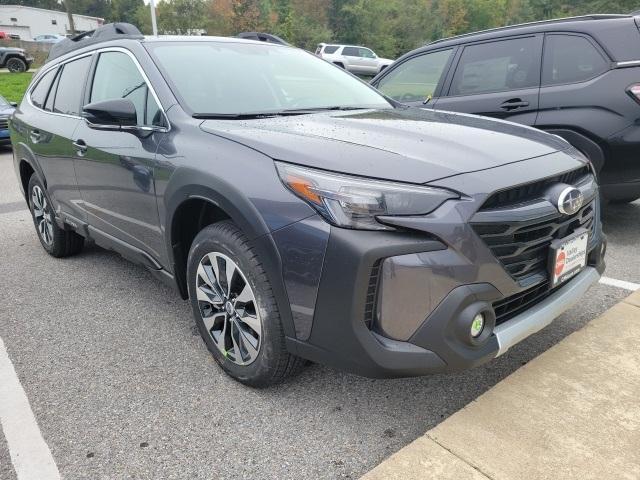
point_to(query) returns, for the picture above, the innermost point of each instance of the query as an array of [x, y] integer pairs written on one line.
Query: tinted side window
[[48, 106], [69, 91], [569, 58], [330, 49], [39, 93], [417, 78], [365, 53], [350, 52], [117, 76], [497, 66]]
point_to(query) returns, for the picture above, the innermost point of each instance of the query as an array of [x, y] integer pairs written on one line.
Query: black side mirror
[[114, 114]]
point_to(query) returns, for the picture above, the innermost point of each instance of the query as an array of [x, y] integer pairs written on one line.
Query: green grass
[[13, 85]]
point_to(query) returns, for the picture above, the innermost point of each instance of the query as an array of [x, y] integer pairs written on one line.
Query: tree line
[[390, 27]]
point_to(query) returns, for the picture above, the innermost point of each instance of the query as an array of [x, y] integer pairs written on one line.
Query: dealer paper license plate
[[568, 256]]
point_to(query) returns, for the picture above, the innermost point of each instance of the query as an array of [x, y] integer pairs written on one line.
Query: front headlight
[[353, 202]]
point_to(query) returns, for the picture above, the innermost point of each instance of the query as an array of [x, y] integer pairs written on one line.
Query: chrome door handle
[[81, 147], [35, 136], [513, 104]]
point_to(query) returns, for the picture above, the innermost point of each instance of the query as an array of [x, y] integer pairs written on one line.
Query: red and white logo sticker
[[560, 262]]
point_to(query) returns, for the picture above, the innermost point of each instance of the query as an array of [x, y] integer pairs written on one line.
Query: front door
[[498, 79], [115, 169]]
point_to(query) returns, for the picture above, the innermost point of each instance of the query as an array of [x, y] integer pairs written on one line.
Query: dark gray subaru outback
[[303, 214]]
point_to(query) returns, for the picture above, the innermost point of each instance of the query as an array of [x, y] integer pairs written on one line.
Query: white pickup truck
[[353, 58]]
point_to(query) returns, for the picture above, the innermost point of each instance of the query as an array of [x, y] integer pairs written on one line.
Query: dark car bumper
[[395, 304], [345, 337]]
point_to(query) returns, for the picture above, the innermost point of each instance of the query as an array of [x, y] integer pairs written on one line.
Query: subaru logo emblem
[[570, 201]]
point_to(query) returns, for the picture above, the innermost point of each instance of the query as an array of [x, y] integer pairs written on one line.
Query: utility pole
[[72, 26], [154, 25]]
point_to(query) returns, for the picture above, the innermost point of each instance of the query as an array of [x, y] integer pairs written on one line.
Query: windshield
[[242, 78]]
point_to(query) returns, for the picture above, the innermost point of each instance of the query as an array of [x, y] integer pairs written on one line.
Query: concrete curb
[[570, 413]]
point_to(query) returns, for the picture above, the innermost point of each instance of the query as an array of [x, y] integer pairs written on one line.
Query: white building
[[29, 22]]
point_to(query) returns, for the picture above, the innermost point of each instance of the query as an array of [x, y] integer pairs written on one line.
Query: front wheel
[[16, 65], [235, 309]]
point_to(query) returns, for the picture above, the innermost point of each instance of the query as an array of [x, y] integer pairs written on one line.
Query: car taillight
[[634, 91]]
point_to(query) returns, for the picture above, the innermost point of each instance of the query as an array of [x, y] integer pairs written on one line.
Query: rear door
[[50, 133], [417, 80], [499, 78]]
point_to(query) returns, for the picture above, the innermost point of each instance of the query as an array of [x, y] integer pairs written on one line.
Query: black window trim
[[35, 85], [95, 54], [603, 53], [538, 36], [445, 72], [60, 67]]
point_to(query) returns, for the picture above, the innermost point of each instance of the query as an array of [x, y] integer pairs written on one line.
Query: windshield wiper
[[276, 113]]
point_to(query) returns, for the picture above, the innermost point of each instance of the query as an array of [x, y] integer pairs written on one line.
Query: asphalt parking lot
[[122, 386]]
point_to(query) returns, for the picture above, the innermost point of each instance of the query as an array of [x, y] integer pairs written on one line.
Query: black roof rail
[[110, 31], [263, 37], [580, 18]]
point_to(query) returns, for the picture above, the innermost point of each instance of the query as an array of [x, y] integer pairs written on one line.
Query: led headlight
[[353, 202]]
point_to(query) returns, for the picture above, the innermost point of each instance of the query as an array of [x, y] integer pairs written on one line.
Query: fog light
[[477, 325]]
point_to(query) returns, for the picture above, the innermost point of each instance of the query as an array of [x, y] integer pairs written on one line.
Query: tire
[[55, 240], [229, 316], [16, 65]]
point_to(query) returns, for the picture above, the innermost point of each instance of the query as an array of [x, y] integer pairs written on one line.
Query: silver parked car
[[49, 38], [353, 58]]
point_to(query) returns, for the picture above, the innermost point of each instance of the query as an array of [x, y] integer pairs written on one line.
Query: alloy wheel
[[228, 308], [42, 214]]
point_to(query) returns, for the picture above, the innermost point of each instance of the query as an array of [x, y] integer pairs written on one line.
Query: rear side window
[[329, 49], [351, 52], [48, 106], [498, 66], [39, 93], [417, 78], [69, 91], [117, 76], [569, 59]]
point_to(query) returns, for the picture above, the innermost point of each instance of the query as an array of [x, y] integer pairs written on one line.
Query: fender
[[243, 213], [587, 146], [22, 153]]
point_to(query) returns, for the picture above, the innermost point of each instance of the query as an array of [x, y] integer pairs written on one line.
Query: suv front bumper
[[343, 338]]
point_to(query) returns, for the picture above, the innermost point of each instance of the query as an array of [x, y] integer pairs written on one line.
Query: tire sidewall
[[23, 67], [57, 240], [218, 238]]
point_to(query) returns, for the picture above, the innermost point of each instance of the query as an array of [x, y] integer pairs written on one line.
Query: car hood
[[403, 144]]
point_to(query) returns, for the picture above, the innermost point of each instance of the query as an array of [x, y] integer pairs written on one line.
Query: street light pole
[[154, 25]]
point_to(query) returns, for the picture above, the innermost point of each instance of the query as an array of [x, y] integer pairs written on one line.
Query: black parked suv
[[304, 215], [576, 77]]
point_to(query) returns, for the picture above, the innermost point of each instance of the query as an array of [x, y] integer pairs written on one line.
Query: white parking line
[[620, 284], [30, 454]]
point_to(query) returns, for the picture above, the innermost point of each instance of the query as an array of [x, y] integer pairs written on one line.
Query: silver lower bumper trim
[[538, 317]]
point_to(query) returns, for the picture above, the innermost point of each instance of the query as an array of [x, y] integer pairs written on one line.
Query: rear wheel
[[235, 309], [16, 65], [55, 240]]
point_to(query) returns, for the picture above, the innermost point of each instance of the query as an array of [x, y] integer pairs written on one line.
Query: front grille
[[523, 247], [372, 291], [530, 191], [4, 123], [511, 306]]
